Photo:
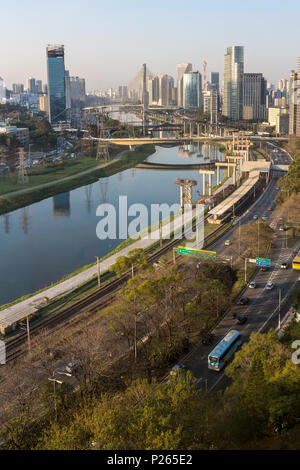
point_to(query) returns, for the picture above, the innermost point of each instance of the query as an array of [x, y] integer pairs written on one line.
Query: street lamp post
[[279, 310], [55, 381]]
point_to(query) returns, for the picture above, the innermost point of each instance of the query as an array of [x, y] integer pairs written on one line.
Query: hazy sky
[[107, 41]]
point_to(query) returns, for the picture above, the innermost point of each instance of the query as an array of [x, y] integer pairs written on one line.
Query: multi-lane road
[[262, 311]]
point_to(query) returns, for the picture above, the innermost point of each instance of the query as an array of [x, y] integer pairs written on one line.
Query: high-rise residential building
[[45, 89], [165, 86], [215, 80], [233, 83], [68, 90], [44, 103], [2, 90], [38, 86], [56, 83], [82, 90], [75, 92], [181, 70], [254, 97], [294, 102], [18, 88], [31, 86], [123, 93], [153, 90], [210, 104], [192, 90]]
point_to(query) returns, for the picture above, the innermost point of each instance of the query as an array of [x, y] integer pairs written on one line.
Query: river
[[48, 240]]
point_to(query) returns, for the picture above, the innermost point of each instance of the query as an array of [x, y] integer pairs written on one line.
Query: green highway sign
[[266, 263], [198, 253]]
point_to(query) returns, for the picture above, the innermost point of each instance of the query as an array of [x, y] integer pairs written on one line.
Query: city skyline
[[122, 55]]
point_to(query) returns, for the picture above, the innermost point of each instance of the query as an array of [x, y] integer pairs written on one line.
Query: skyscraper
[[2, 90], [165, 86], [31, 85], [294, 102], [192, 86], [215, 80], [181, 70], [254, 97], [56, 83], [233, 83]]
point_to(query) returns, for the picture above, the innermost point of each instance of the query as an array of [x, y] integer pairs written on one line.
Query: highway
[[262, 309]]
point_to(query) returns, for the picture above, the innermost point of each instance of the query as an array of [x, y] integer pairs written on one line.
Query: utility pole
[[279, 310], [160, 233], [174, 255], [245, 270], [239, 237], [258, 238], [98, 272], [28, 334]]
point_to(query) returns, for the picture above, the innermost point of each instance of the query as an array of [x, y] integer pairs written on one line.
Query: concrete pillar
[[198, 130], [234, 175], [191, 129], [210, 184], [218, 175], [181, 197], [204, 183]]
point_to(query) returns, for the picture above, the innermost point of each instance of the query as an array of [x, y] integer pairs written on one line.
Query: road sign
[[198, 253], [266, 263]]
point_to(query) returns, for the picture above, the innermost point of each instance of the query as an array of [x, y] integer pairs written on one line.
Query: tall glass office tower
[[233, 83], [192, 86], [56, 83]]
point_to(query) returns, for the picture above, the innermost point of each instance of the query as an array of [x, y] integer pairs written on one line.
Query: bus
[[296, 262], [219, 356]]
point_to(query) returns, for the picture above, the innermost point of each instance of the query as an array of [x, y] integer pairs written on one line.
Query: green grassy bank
[[128, 160]]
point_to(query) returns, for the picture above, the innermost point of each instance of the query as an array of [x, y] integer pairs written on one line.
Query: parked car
[[228, 243], [255, 217], [284, 265], [270, 209], [252, 285], [269, 285], [243, 301], [241, 319]]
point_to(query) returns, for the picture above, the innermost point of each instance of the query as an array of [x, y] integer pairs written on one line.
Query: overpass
[[131, 141], [168, 166]]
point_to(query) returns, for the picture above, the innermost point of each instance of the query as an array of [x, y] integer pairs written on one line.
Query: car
[[252, 285], [269, 285], [228, 243], [270, 209], [281, 228], [255, 217], [176, 368], [284, 265], [241, 319], [72, 365], [243, 301], [264, 217]]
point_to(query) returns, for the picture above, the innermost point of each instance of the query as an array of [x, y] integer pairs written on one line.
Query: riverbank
[[127, 160]]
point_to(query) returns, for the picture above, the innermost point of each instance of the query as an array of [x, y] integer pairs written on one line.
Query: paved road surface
[[262, 310]]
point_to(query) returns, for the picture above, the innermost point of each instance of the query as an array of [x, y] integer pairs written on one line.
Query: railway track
[[101, 298]]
